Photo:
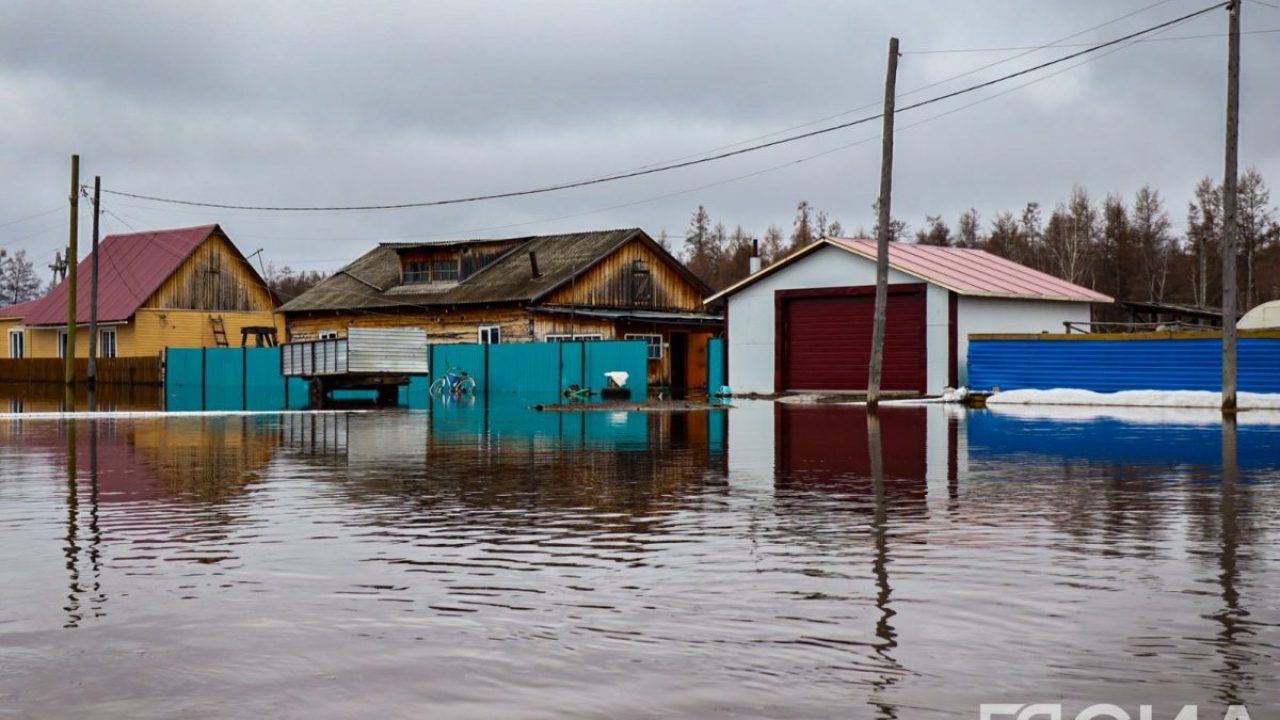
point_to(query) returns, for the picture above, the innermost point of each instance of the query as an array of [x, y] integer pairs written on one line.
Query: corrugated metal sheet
[[387, 350], [963, 270], [1112, 365], [974, 272], [131, 268]]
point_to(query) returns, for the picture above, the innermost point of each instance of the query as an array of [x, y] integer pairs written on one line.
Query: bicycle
[[454, 383]]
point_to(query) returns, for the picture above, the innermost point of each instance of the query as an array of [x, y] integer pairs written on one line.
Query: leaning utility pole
[[1229, 179], [882, 241], [69, 350], [93, 291]]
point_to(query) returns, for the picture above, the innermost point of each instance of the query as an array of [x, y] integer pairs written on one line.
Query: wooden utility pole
[[93, 287], [69, 352], [1230, 176], [882, 240]]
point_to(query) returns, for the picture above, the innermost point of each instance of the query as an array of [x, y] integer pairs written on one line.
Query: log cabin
[[185, 287], [607, 285]]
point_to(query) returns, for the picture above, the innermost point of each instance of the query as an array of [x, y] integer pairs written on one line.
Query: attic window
[[444, 271], [417, 272], [641, 283]]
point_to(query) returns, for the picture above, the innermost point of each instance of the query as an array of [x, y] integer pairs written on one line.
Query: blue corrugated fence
[[1112, 365]]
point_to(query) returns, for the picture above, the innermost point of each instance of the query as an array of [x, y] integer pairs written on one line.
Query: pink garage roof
[[962, 270], [131, 268]]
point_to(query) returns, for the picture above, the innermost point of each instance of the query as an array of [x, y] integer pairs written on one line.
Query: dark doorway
[[679, 365]]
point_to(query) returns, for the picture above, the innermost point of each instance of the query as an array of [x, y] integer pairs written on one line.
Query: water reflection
[[775, 560]]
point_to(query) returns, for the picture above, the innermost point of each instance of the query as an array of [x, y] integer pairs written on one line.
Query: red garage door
[[824, 338]]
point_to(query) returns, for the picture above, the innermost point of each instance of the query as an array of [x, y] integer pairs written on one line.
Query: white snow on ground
[[1131, 414], [1134, 398], [133, 415]]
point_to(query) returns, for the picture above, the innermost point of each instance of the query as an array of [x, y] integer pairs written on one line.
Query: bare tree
[[18, 280], [969, 229], [1156, 248]]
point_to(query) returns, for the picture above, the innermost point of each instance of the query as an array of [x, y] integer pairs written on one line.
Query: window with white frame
[[107, 343], [654, 342], [490, 335], [17, 343], [327, 335], [62, 343], [573, 338]]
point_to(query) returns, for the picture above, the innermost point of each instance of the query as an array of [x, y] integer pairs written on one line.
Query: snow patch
[[1134, 398]]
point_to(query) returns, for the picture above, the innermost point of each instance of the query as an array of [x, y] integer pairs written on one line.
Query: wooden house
[[187, 287], [609, 285]]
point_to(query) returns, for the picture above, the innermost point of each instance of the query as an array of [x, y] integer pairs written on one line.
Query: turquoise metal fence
[[716, 372], [536, 373]]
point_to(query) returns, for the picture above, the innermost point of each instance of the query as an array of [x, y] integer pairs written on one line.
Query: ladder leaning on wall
[[219, 330]]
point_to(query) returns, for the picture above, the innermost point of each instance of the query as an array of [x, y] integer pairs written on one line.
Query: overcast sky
[[373, 102]]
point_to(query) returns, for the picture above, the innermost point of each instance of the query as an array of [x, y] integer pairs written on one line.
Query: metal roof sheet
[[965, 271], [974, 272], [130, 269], [18, 311]]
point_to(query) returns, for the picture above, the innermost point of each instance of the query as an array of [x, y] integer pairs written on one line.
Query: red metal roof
[[132, 267], [973, 272], [19, 310]]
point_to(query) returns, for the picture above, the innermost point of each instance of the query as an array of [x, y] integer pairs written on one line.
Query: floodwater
[[760, 562]]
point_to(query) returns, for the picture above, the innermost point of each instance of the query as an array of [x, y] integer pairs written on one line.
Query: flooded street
[[760, 562]]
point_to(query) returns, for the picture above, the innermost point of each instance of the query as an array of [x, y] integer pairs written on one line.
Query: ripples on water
[[765, 562]]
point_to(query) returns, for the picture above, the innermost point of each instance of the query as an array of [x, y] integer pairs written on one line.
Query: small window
[[107, 343], [573, 338], [641, 283], [444, 271], [490, 335], [417, 272], [327, 335], [655, 344], [62, 343], [17, 343]]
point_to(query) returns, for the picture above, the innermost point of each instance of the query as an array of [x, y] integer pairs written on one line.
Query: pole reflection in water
[[880, 534], [72, 547], [1232, 617]]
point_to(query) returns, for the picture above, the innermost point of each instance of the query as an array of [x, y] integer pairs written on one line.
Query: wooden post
[[882, 241], [1229, 289], [69, 354], [93, 288]]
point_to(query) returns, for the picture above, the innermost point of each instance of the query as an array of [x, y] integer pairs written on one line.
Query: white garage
[[804, 323]]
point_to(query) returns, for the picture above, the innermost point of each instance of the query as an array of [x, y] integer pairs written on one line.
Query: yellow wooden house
[[185, 287], [603, 285]]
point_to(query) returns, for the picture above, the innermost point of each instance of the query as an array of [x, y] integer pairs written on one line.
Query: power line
[[42, 213], [1033, 47], [687, 163]]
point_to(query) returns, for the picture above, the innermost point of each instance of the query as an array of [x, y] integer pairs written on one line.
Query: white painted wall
[[752, 315], [978, 315], [751, 311]]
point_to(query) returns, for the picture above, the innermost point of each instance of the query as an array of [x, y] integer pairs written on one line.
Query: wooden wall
[[608, 284], [215, 278], [154, 330], [124, 370], [461, 326]]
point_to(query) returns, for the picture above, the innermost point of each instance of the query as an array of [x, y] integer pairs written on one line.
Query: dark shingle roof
[[373, 280]]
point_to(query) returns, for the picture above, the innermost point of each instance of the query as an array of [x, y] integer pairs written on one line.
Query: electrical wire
[[686, 163], [1032, 47]]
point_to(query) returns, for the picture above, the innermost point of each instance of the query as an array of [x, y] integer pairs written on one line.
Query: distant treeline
[[1124, 248]]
